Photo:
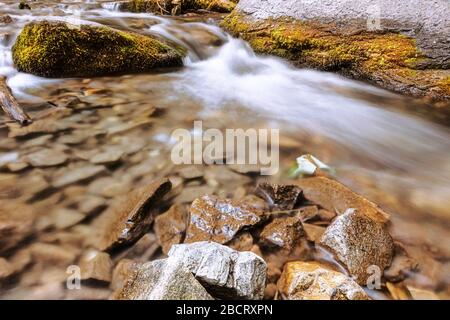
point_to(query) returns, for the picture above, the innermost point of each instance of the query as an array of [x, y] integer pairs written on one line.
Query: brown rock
[[74, 175], [124, 269], [359, 242], [129, 221], [279, 197], [46, 158], [242, 242], [170, 227], [96, 265], [314, 281], [16, 223], [54, 255], [189, 194], [335, 197], [219, 220], [270, 291], [144, 249], [401, 265], [313, 233], [283, 232], [6, 269], [190, 172]]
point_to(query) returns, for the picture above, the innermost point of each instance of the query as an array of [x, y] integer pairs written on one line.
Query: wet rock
[[144, 249], [6, 269], [164, 279], [313, 281], [326, 215], [46, 158], [283, 232], [96, 265], [335, 197], [359, 242], [63, 218], [16, 224], [107, 157], [77, 174], [313, 233], [190, 172], [129, 221], [90, 204], [226, 273], [219, 220], [124, 269], [52, 255], [170, 227], [87, 51], [5, 19], [24, 6], [17, 166], [280, 197], [402, 264], [189, 194]]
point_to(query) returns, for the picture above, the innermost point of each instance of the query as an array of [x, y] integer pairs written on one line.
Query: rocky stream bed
[[90, 184]]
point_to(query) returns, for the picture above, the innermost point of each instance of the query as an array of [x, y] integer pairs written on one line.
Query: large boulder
[[226, 273], [400, 46], [359, 243], [58, 49]]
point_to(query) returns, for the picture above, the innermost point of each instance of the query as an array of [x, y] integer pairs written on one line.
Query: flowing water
[[399, 160]]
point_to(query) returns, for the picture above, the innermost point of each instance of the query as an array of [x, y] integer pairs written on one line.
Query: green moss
[[171, 7], [56, 49]]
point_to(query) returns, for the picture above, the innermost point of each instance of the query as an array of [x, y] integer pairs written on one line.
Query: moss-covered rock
[[57, 49], [389, 59], [177, 6]]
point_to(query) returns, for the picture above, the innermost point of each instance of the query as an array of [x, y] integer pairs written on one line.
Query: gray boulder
[[165, 279], [427, 21], [226, 273]]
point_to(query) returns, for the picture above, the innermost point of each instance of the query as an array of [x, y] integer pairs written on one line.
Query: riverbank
[[404, 52]]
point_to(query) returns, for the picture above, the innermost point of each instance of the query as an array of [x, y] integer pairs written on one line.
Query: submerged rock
[[129, 221], [57, 49], [314, 281], [359, 243], [16, 223], [46, 158], [226, 273], [161, 280], [219, 220]]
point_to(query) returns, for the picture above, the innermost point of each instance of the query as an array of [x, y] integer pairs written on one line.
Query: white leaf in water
[[308, 165]]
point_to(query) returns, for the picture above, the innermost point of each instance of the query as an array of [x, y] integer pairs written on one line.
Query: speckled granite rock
[[165, 279], [314, 281], [226, 273], [359, 242], [219, 220]]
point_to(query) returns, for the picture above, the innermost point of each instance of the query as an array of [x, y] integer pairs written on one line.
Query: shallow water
[[397, 159]]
